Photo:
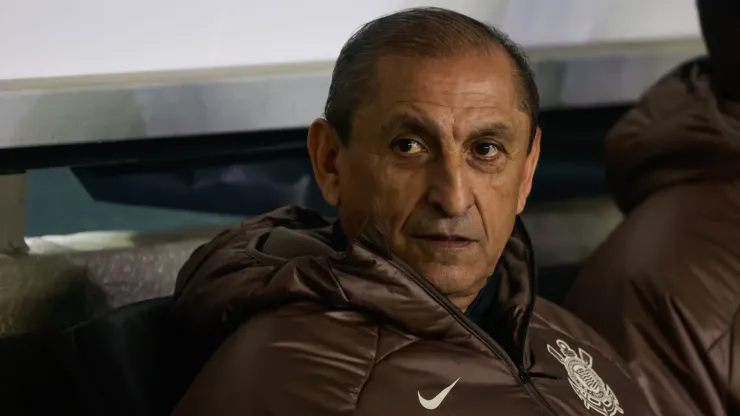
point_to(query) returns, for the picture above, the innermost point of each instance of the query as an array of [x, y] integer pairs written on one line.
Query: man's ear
[[323, 147], [530, 165]]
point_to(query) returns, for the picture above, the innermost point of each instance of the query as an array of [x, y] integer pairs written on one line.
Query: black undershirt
[[479, 308]]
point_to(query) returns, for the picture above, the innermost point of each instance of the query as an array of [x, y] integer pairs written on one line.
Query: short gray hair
[[426, 32]]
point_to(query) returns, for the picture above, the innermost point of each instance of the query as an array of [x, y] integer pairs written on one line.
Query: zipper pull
[[524, 377]]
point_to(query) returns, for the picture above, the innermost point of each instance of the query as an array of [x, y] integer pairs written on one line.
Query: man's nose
[[449, 190]]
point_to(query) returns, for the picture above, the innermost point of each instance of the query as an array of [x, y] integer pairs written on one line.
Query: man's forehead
[[477, 79]]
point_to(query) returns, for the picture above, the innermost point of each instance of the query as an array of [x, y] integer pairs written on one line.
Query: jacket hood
[[286, 256], [678, 132]]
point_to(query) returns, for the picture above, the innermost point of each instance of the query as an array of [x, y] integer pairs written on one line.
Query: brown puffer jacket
[[665, 286], [321, 332]]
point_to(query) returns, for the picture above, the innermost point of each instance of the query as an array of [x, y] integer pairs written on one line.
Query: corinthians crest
[[595, 394]]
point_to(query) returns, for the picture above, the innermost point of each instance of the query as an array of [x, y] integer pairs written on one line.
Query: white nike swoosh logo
[[435, 402]]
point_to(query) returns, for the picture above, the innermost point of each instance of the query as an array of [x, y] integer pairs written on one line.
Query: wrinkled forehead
[[459, 92]]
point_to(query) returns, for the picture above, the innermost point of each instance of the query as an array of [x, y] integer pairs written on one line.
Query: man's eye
[[487, 150], [408, 146]]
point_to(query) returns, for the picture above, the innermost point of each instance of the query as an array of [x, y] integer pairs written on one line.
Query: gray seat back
[[68, 279]]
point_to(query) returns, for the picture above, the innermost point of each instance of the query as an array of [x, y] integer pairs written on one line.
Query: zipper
[[517, 371]]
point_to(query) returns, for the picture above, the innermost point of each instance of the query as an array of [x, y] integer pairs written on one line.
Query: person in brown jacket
[[421, 298], [665, 286]]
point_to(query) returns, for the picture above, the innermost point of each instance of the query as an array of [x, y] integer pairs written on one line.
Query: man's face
[[438, 157]]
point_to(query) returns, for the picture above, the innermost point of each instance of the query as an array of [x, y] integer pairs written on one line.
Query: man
[[665, 287], [422, 296]]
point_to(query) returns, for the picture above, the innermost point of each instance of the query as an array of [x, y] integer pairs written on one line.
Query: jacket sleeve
[[664, 303], [641, 327], [295, 361]]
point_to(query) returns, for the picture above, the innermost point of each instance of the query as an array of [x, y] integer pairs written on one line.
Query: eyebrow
[[424, 126], [416, 124], [494, 129]]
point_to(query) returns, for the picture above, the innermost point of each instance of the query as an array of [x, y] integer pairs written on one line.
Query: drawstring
[[534, 374]]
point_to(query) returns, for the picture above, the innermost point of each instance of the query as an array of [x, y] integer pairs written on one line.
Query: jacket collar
[[409, 299]]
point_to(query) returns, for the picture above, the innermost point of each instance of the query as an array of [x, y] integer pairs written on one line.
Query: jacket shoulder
[[663, 290], [300, 359], [670, 258]]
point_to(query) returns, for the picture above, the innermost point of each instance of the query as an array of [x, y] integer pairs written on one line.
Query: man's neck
[[477, 307], [463, 302]]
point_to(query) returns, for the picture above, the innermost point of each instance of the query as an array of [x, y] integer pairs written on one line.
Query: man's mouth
[[447, 241]]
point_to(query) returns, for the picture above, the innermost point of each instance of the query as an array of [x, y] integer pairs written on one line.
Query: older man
[[422, 296]]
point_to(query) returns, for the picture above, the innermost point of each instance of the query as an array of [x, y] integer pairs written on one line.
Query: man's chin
[[450, 279]]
